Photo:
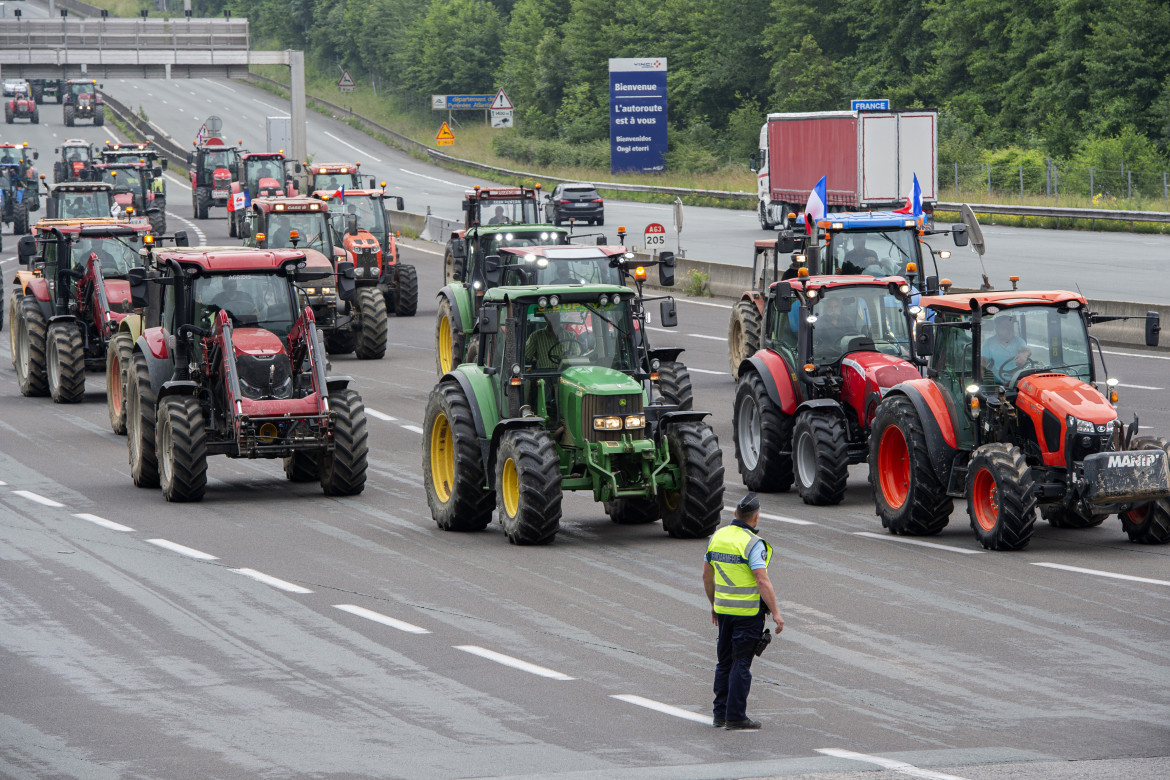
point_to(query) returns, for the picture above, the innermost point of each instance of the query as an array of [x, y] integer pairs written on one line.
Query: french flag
[[340, 193], [913, 205], [815, 208]]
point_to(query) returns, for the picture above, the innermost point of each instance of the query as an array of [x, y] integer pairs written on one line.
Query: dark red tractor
[[212, 168], [21, 106], [82, 101]]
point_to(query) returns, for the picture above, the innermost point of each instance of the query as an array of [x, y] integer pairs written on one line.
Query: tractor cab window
[[82, 89], [264, 169], [1033, 339], [952, 354], [369, 212], [577, 334], [217, 159], [567, 269], [335, 181], [77, 154], [123, 178], [855, 319], [252, 300], [497, 241], [311, 225], [85, 204], [116, 257], [509, 211], [873, 253], [785, 327]]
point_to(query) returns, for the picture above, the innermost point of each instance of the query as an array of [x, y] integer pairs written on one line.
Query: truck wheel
[[66, 369], [1149, 523], [20, 219], [68, 115], [910, 500], [762, 213], [820, 453], [450, 346], [140, 418], [1065, 516], [182, 449], [118, 353], [202, 203], [453, 470], [28, 354], [674, 382], [633, 511], [1001, 497], [406, 292], [158, 223], [99, 116], [371, 341], [343, 471], [763, 437], [303, 467], [528, 486], [743, 334], [340, 342], [692, 510]]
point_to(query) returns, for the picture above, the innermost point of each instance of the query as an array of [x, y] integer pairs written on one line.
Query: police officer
[[735, 577]]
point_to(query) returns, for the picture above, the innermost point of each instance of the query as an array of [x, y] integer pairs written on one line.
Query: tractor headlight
[[553, 300], [635, 421], [1081, 426], [359, 271], [609, 423], [327, 291], [310, 291]]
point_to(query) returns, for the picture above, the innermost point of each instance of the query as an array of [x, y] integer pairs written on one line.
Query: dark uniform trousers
[[733, 671]]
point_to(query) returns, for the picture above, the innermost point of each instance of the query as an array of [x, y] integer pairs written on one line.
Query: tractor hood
[[1064, 396], [221, 176], [124, 199], [118, 294], [865, 378], [595, 380], [256, 342], [267, 186]]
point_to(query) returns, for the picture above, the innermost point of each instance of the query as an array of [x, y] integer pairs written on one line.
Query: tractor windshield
[[496, 241], [72, 205], [1034, 338], [123, 179], [507, 211], [82, 89], [264, 169], [331, 182], [116, 257], [311, 225], [858, 319], [253, 300], [371, 216], [577, 334], [573, 267], [874, 252], [217, 159]]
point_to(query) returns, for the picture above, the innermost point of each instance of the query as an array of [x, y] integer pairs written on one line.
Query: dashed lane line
[[190, 552], [709, 338], [380, 415], [777, 518], [694, 370], [414, 428], [917, 543], [103, 522], [351, 146], [658, 706], [37, 498], [1099, 573], [432, 178], [901, 767], [515, 663], [1137, 355], [268, 579], [378, 617], [1139, 387]]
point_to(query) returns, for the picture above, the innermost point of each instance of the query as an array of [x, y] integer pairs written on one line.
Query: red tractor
[[21, 106], [261, 175], [212, 168], [1014, 417], [329, 177], [231, 364], [82, 101], [831, 347], [76, 163]]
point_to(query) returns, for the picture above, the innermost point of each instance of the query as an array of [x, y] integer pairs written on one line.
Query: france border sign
[[878, 104], [637, 114]]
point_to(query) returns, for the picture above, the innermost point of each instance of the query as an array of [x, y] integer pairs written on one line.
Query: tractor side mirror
[[297, 167], [959, 233], [932, 287], [157, 172], [190, 158], [1153, 326], [491, 269], [924, 339], [373, 183], [181, 238], [346, 287], [351, 224], [785, 242], [813, 257], [489, 320], [753, 166], [400, 202], [137, 279], [666, 270], [602, 241], [668, 313], [459, 248], [26, 248], [36, 155], [783, 296], [163, 163], [465, 205]]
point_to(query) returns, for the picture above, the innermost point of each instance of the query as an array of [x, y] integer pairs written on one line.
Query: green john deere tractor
[[557, 400]]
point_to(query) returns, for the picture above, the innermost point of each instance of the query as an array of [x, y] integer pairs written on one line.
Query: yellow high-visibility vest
[[736, 590]]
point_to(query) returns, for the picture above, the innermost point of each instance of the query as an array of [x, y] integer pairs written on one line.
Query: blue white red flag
[[815, 209], [340, 193], [913, 205]]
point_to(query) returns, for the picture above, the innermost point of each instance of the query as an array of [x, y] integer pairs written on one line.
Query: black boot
[[742, 725]]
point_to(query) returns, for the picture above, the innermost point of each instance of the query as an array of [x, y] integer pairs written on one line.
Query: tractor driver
[[545, 347], [236, 302], [833, 324], [1004, 352], [499, 218], [858, 257]]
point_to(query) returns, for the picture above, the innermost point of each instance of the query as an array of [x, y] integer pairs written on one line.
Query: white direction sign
[[502, 103], [345, 83], [502, 117]]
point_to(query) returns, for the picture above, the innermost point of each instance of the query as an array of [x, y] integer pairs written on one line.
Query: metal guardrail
[[1059, 213]]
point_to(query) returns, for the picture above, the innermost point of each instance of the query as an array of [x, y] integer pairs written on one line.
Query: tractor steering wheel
[[1014, 372], [566, 347]]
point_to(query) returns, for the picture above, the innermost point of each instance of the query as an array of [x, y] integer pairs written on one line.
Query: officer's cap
[[747, 504]]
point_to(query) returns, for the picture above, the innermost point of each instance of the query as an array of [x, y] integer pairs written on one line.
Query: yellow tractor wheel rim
[[442, 458], [445, 343], [510, 488]]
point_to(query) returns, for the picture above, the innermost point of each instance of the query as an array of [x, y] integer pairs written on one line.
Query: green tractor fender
[[479, 389], [459, 296], [667, 418]]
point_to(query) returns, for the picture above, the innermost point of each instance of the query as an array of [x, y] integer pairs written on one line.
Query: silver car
[[13, 87]]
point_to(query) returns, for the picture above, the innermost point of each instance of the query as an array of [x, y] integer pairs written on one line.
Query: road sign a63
[[655, 236]]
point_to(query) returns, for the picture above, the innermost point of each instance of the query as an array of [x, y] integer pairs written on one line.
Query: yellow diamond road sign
[[445, 136]]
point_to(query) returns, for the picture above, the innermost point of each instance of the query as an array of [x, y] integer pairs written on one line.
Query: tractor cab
[[282, 223], [332, 177], [80, 200], [129, 182], [132, 153], [542, 265], [262, 174], [76, 161], [502, 206]]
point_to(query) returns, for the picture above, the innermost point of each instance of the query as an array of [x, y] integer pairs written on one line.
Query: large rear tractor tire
[[450, 342], [67, 115], [1001, 497], [674, 383], [140, 421], [202, 203], [371, 340], [820, 453], [763, 437], [743, 334], [528, 486], [20, 225], [692, 511], [182, 449], [340, 342], [453, 470], [910, 499], [1063, 516], [452, 267], [303, 467], [1149, 523], [28, 352], [99, 116], [406, 292], [633, 511], [66, 369], [158, 222], [118, 353], [343, 470]]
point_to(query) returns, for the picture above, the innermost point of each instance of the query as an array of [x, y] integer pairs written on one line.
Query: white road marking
[[274, 108], [425, 251], [709, 338], [414, 428], [37, 498], [176, 180], [777, 518], [1099, 573], [190, 552], [378, 617], [110, 133], [658, 706], [273, 581], [379, 415], [1138, 387], [432, 178], [900, 767], [103, 522], [198, 231], [515, 663], [2, 262], [221, 85], [351, 146], [917, 543], [3, 484], [694, 370], [704, 303], [1137, 355]]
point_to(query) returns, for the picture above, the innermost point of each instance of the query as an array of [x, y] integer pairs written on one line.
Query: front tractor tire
[[140, 423], [1149, 523], [821, 457], [181, 446], [1001, 497], [743, 334], [528, 486], [453, 470], [405, 302], [158, 222], [202, 202], [692, 511], [99, 116], [633, 511], [66, 369], [450, 343], [763, 437], [371, 339], [343, 470], [910, 499], [303, 467], [28, 352], [674, 383]]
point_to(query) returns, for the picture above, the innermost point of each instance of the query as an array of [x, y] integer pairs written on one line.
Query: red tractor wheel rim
[[1138, 515], [985, 498], [894, 467]]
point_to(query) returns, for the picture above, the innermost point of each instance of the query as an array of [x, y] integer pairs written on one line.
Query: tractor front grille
[[606, 405]]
